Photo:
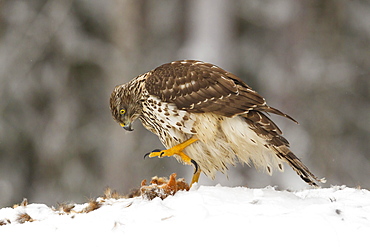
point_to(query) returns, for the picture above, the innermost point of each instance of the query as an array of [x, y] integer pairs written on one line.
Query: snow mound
[[203, 216]]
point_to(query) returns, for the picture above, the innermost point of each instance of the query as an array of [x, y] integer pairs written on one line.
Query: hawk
[[206, 117]]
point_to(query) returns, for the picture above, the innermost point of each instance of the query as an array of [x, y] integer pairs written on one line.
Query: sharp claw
[[146, 155], [154, 151], [196, 167]]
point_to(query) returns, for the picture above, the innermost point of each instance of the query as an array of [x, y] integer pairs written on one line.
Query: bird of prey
[[206, 117]]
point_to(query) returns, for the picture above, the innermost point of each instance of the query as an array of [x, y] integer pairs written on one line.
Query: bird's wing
[[201, 87]]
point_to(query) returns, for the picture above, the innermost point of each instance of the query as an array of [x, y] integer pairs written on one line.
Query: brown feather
[[194, 86], [266, 128]]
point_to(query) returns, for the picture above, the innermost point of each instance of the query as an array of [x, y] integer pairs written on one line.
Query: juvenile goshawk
[[206, 117]]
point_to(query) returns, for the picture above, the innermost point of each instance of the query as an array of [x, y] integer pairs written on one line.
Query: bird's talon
[[151, 154], [196, 167], [155, 153]]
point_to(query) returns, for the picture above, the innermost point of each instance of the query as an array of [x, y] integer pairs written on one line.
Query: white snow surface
[[203, 216]]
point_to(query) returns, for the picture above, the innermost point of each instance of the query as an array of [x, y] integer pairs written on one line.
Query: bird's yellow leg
[[178, 150], [195, 177], [175, 150]]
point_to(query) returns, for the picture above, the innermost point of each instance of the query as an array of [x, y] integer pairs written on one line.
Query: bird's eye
[[122, 111]]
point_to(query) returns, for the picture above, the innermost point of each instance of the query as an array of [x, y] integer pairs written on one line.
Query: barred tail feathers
[[284, 153], [265, 128]]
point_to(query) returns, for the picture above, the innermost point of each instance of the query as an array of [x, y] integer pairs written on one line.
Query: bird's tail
[[283, 152], [268, 130]]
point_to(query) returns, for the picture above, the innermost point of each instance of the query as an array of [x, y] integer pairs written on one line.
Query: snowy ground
[[204, 216]]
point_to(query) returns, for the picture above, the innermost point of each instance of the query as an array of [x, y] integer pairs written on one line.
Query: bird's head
[[125, 105]]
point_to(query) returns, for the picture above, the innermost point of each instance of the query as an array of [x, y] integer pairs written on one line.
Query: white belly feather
[[222, 141]]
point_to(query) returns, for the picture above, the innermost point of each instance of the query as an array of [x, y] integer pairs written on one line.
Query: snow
[[203, 216]]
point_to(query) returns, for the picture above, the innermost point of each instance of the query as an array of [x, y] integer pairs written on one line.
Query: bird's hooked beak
[[126, 126]]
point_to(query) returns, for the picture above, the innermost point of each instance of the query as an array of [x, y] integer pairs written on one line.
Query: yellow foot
[[174, 150], [178, 150]]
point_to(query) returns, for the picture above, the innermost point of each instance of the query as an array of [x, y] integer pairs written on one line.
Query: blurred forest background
[[60, 60]]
